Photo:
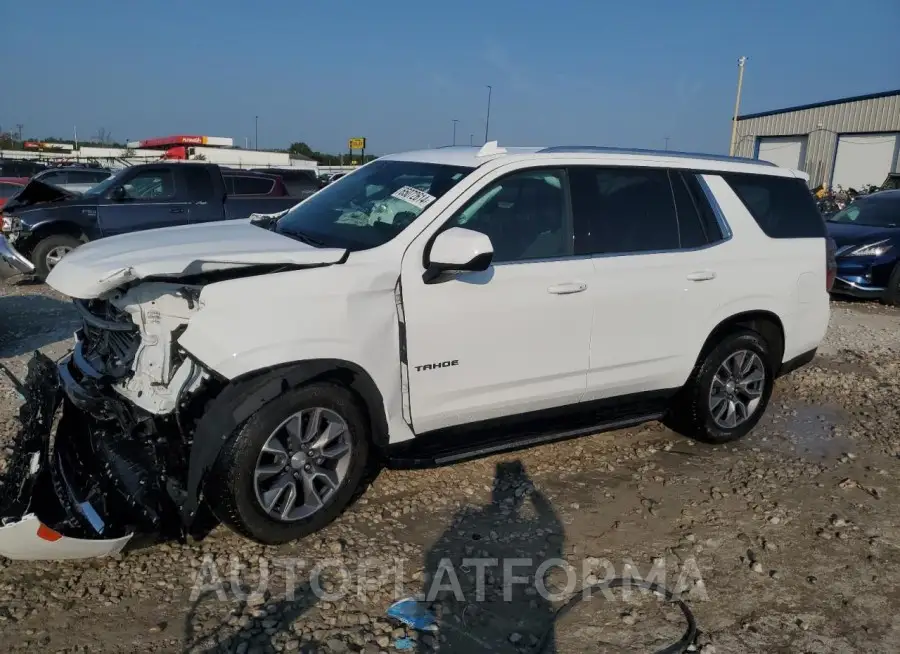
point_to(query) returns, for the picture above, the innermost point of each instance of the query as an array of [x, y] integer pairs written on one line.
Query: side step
[[432, 450]]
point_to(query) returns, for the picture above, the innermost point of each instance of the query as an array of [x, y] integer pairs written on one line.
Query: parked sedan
[[9, 186], [867, 237]]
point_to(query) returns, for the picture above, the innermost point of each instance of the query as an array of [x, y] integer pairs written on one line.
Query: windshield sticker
[[415, 197]]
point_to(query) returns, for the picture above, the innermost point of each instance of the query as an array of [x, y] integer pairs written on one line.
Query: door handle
[[567, 288], [701, 276], [176, 210]]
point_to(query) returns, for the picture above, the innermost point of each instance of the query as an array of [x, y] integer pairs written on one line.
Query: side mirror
[[118, 193], [458, 250]]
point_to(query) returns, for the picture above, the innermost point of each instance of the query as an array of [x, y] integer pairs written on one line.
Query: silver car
[[77, 180]]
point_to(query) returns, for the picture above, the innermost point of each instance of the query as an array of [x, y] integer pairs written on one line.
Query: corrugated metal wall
[[823, 125]]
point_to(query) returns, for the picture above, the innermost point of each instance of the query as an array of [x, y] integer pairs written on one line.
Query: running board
[[424, 452]]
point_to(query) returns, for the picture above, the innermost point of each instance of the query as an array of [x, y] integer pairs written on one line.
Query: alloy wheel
[[302, 464], [737, 389], [55, 255]]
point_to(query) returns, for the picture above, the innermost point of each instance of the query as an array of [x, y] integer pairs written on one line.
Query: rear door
[[648, 272], [155, 197]]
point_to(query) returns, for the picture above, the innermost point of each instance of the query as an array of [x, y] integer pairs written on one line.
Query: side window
[[151, 185], [691, 226], [622, 210], [56, 178], [253, 185], [524, 214], [199, 183], [783, 207], [86, 177]]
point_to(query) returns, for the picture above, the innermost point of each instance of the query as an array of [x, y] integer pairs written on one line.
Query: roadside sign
[[357, 144]]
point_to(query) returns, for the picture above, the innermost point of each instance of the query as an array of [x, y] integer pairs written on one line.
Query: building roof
[[473, 157], [826, 103]]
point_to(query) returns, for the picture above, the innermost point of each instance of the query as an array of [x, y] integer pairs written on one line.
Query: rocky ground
[[788, 541]]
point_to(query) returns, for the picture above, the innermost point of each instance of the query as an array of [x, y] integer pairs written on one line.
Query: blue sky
[[398, 72]]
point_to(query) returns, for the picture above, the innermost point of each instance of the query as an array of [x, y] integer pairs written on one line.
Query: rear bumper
[[12, 263]]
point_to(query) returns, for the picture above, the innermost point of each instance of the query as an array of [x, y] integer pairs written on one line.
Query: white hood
[[100, 266]]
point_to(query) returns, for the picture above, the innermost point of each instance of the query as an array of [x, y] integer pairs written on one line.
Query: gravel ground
[[788, 541]]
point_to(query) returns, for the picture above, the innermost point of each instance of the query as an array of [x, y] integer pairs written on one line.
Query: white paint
[[784, 151], [864, 159]]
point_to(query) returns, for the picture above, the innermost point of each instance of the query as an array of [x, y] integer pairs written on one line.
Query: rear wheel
[[728, 392], [50, 251], [293, 467]]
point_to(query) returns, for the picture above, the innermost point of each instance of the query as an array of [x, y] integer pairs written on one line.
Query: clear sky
[[398, 72]]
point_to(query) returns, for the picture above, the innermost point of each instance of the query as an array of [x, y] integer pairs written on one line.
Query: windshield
[[871, 212], [103, 187], [371, 206]]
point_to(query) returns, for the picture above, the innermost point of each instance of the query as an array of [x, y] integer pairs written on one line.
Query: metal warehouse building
[[849, 142]]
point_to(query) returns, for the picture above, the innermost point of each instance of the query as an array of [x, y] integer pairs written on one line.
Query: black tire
[[892, 292], [690, 414], [45, 247], [230, 489]]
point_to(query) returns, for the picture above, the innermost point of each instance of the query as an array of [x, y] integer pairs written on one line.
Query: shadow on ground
[[29, 322]]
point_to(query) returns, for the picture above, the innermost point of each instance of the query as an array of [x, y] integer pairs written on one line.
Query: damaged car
[[431, 307]]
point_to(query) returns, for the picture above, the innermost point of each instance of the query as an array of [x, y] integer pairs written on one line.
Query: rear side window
[[622, 210], [783, 207], [198, 182], [696, 220], [86, 176], [253, 185]]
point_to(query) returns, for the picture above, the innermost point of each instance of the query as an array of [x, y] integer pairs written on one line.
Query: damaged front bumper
[[52, 505], [12, 263]]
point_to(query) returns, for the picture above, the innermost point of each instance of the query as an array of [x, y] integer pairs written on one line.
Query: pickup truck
[[43, 223]]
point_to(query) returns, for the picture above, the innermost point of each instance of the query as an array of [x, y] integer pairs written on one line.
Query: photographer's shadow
[[482, 573]]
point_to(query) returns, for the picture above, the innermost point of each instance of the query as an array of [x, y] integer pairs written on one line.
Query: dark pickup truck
[[42, 222]]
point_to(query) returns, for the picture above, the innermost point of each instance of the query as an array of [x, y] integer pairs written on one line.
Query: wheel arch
[[50, 228], [246, 394], [765, 323]]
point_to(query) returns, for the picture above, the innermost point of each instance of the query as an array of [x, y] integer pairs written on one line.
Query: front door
[[514, 338], [152, 200]]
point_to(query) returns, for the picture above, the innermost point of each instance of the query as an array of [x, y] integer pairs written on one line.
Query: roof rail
[[657, 153], [490, 149]]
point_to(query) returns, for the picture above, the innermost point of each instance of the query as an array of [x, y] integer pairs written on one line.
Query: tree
[[103, 136]]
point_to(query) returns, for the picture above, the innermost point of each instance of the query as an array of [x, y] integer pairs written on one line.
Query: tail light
[[830, 263]]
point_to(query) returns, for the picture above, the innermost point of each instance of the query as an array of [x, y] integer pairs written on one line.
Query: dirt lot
[[786, 542]]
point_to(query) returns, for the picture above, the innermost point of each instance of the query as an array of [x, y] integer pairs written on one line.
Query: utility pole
[[256, 141], [246, 142], [737, 104], [454, 130], [20, 127], [75, 129], [666, 139], [487, 122]]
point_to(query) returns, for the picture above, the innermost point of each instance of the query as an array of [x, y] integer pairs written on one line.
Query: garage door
[[865, 159], [784, 151]]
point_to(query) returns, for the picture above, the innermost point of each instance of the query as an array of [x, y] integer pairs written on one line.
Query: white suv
[[428, 307]]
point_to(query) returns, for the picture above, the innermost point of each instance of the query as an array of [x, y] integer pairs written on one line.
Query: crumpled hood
[[100, 266], [37, 192]]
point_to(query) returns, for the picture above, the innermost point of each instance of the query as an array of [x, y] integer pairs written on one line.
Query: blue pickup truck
[[42, 223]]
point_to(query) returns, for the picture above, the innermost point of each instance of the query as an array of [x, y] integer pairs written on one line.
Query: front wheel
[[728, 393], [50, 251], [293, 467]]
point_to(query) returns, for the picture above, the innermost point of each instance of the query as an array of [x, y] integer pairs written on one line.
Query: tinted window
[[783, 207], [524, 214], [253, 185], [56, 177], [198, 181], [695, 188], [690, 228], [871, 211], [622, 210], [151, 185], [86, 176]]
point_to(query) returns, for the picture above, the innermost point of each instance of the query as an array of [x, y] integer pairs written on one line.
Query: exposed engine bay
[[125, 404]]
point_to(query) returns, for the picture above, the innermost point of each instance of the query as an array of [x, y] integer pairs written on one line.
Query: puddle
[[807, 430]]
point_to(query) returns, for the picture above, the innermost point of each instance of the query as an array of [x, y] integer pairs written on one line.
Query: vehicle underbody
[[106, 434]]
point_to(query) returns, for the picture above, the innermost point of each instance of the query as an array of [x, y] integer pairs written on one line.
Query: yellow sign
[[357, 144]]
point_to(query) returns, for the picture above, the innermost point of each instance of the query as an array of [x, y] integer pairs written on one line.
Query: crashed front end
[[104, 437]]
